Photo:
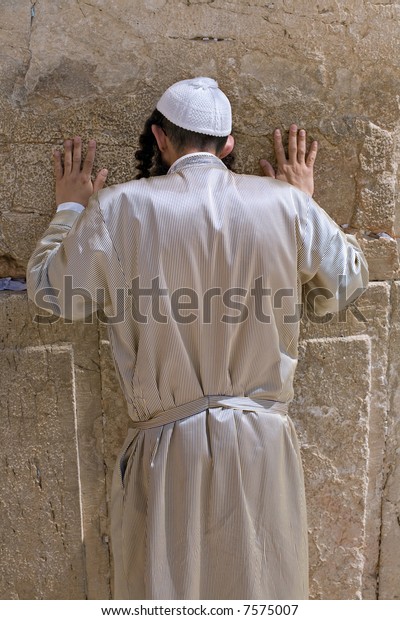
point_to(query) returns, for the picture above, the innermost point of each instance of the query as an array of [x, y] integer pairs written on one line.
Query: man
[[199, 272]]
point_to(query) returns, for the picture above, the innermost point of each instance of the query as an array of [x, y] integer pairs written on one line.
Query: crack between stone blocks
[[33, 11], [33, 15], [93, 6], [80, 8], [380, 532], [202, 39], [386, 470], [107, 511], [78, 461], [23, 143], [225, 8]]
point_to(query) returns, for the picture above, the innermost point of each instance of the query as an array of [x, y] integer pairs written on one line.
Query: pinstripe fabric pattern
[[211, 506]]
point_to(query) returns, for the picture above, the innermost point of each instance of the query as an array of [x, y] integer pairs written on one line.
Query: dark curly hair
[[149, 157]]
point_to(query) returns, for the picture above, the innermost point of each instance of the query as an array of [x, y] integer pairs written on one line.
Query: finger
[[267, 168], [67, 156], [58, 169], [100, 180], [77, 155], [279, 150], [292, 144], [89, 159], [312, 154], [301, 146]]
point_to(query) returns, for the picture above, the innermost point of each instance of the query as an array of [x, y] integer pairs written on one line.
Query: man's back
[[211, 263]]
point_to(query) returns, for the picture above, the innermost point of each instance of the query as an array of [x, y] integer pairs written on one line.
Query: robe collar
[[196, 159]]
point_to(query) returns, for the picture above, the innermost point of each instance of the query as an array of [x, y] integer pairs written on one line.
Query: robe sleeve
[[331, 264], [74, 265]]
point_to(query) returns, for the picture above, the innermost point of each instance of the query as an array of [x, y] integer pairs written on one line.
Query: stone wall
[[96, 69]]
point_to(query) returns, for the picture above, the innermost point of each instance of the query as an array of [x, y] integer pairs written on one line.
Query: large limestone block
[[53, 510], [41, 516], [369, 317], [332, 407]]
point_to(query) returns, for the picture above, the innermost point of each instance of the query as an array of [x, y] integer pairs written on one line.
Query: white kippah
[[197, 105]]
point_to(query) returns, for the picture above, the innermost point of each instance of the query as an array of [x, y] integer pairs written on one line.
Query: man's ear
[[228, 148], [160, 137]]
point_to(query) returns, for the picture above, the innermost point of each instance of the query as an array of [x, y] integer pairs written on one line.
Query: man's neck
[[189, 151]]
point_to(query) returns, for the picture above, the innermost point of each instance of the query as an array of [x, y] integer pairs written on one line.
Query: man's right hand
[[298, 169]]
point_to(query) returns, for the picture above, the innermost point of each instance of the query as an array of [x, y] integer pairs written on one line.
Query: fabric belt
[[180, 412]]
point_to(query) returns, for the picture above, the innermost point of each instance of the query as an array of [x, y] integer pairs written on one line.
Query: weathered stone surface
[[382, 256], [41, 475], [332, 409], [370, 316], [53, 508]]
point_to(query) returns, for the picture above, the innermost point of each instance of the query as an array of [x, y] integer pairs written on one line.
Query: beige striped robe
[[211, 506]]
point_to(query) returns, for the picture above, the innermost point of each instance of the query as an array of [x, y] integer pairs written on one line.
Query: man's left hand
[[73, 181], [298, 168]]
